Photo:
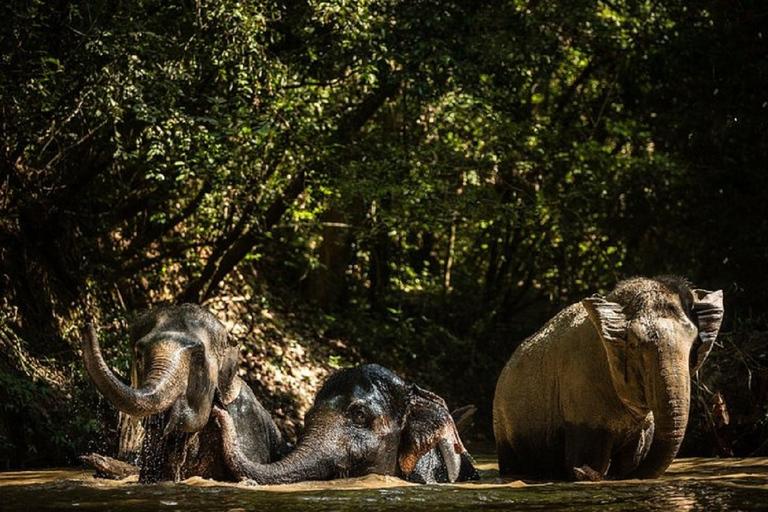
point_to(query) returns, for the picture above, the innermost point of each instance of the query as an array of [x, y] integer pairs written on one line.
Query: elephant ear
[[428, 425], [610, 322], [228, 381], [608, 318], [708, 313]]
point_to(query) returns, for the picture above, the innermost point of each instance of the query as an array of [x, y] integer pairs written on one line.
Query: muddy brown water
[[689, 484]]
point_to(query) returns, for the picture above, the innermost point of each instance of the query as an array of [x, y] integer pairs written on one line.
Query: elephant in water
[[364, 420], [184, 357], [603, 389]]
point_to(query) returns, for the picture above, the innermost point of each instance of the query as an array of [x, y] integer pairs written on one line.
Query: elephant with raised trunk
[[603, 389], [184, 358], [364, 420]]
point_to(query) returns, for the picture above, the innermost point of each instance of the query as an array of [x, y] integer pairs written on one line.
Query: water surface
[[690, 484]]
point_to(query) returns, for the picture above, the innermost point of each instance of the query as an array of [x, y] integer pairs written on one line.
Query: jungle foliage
[[429, 179]]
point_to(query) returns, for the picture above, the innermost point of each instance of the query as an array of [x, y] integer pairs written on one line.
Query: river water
[[689, 484]]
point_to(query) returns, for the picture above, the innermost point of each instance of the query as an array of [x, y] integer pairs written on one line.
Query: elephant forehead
[[641, 297], [180, 339], [670, 320], [181, 318], [361, 381], [669, 335], [369, 396]]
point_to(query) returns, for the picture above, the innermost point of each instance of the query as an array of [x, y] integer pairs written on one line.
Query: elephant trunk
[[164, 384], [669, 399], [304, 463], [311, 460]]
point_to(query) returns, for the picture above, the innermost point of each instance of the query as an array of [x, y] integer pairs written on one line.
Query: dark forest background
[[420, 183]]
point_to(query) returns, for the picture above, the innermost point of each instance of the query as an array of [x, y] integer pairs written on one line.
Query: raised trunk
[[669, 398], [163, 386]]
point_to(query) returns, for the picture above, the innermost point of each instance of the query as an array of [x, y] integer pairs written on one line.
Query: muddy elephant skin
[[603, 389], [365, 420], [183, 358]]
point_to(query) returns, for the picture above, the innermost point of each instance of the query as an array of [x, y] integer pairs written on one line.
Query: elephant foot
[[109, 468], [587, 474]]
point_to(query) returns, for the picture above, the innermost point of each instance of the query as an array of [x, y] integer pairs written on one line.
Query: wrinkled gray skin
[[183, 355], [603, 389], [364, 420]]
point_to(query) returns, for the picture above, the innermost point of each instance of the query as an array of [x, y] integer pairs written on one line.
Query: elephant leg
[[508, 460], [630, 453], [533, 456], [587, 452]]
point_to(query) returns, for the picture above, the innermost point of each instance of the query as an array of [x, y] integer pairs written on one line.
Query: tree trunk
[[327, 284]]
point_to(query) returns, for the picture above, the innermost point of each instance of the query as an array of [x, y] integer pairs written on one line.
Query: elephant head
[[655, 333], [182, 354], [364, 420]]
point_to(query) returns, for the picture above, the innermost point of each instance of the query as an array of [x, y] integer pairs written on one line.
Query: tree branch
[[233, 253]]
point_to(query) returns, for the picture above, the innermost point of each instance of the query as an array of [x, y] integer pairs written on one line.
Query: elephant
[[602, 391], [364, 420], [184, 360]]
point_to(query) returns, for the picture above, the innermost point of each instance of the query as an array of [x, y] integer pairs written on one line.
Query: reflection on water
[[690, 484]]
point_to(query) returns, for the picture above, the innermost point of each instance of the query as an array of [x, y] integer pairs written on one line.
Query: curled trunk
[[163, 385]]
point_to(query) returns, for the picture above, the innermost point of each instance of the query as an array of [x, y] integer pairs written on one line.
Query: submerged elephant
[[603, 389], [184, 357], [364, 420]]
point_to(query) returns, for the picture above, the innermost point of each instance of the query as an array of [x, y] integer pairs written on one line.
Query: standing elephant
[[603, 389], [184, 357], [364, 420]]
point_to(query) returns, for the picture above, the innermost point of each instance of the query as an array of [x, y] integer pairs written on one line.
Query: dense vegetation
[[419, 183]]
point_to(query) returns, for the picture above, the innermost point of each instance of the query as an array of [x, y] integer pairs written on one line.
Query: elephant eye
[[674, 310], [357, 414]]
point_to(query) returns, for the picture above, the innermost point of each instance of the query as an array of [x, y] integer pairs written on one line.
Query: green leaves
[[500, 141]]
